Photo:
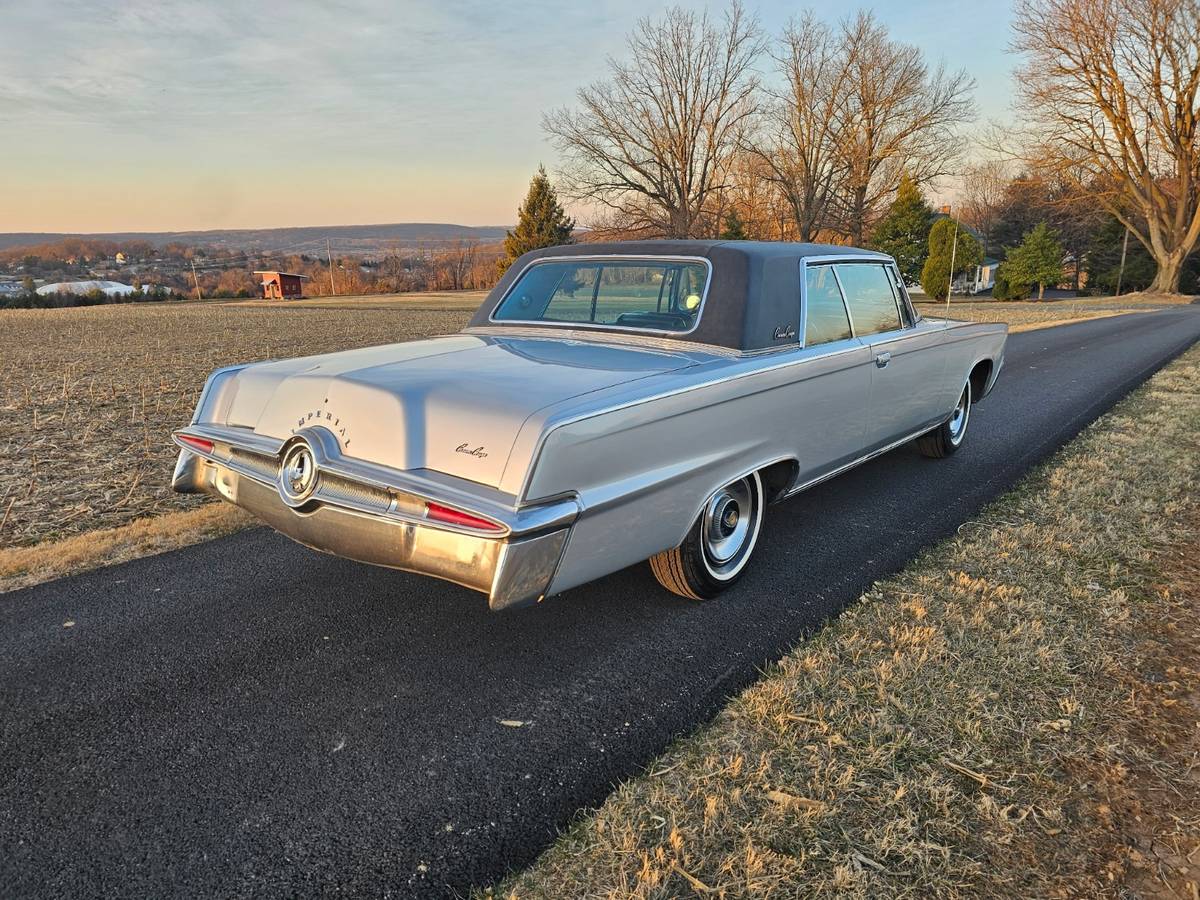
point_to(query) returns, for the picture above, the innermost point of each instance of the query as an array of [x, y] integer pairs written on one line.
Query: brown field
[[432, 300], [89, 396]]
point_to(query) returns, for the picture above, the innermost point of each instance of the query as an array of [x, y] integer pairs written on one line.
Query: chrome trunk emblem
[[298, 474]]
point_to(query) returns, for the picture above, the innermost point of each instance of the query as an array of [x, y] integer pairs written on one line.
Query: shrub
[[935, 274], [1007, 289]]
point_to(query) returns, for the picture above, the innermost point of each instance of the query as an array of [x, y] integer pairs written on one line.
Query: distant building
[[983, 279], [281, 285], [111, 288], [120, 258], [11, 288]]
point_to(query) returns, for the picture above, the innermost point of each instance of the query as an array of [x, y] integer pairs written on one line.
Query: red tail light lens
[[196, 443], [435, 512]]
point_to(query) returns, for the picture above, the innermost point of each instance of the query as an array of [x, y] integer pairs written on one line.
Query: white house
[[985, 276]]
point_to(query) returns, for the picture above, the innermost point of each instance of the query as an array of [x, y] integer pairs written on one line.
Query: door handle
[[882, 359]]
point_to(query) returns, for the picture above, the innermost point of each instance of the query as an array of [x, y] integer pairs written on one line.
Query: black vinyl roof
[[753, 294]]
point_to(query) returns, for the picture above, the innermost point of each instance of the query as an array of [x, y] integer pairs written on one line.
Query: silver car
[[607, 404]]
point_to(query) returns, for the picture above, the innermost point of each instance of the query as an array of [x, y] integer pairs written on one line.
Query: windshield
[[656, 295]]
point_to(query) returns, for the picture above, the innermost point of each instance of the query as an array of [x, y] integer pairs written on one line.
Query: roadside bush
[[1006, 288]]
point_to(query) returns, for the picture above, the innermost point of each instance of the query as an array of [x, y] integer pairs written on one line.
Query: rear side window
[[824, 313], [870, 297], [656, 295]]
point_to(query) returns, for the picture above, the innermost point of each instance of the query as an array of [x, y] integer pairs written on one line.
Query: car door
[[830, 406], [906, 378]]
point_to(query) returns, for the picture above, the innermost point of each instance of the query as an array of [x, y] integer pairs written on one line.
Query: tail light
[[204, 446], [435, 512]]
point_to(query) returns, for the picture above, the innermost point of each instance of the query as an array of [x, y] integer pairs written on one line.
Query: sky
[[158, 115]]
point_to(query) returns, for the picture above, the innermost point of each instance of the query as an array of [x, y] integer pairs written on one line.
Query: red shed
[[281, 285]]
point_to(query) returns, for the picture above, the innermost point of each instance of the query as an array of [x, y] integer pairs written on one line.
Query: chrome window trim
[[609, 257], [821, 261], [845, 299], [897, 285]]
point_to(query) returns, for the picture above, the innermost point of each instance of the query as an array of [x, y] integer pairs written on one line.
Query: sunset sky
[[166, 115]]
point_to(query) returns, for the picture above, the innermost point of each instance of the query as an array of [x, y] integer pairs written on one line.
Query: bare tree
[[899, 117], [652, 143], [457, 263], [984, 197], [800, 141], [752, 192], [1113, 85]]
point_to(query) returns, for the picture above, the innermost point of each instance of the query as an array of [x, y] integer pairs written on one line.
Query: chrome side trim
[[769, 363], [858, 462], [591, 325]]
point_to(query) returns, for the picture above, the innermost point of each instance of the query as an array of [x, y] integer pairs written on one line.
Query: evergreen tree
[[735, 229], [1039, 259], [935, 273], [1103, 264], [541, 221], [903, 233]]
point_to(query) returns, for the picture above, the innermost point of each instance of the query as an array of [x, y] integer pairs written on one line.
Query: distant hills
[[348, 239]]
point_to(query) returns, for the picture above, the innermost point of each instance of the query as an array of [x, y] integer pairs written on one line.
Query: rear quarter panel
[[642, 470], [967, 344]]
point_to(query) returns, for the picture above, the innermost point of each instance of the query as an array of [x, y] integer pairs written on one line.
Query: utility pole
[[1121, 271], [196, 280], [329, 255]]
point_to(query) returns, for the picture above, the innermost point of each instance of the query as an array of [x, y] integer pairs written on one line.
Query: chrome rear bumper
[[371, 523]]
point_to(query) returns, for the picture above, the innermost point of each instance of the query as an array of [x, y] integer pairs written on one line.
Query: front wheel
[[715, 552], [949, 436]]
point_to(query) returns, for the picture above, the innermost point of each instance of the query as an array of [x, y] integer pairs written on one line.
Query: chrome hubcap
[[962, 413], [727, 520]]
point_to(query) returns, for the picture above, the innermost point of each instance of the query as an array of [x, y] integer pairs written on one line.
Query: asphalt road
[[249, 717]]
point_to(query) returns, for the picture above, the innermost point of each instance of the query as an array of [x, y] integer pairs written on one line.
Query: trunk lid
[[453, 404]]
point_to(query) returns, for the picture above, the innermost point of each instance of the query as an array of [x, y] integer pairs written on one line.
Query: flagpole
[[953, 255]]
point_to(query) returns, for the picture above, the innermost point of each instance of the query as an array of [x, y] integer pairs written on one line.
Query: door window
[[870, 297], [824, 312]]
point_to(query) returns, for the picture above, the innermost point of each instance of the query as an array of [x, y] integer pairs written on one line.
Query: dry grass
[[24, 566], [965, 729], [88, 397], [1051, 312]]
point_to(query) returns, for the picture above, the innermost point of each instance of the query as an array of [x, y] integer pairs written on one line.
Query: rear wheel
[[949, 436], [716, 550]]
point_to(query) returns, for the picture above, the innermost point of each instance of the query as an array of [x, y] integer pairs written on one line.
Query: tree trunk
[[858, 225], [1041, 290], [1166, 280]]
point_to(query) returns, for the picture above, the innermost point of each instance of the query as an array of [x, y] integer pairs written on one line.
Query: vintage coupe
[[607, 404]]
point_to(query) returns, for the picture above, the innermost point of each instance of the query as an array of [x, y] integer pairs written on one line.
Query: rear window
[[656, 295]]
